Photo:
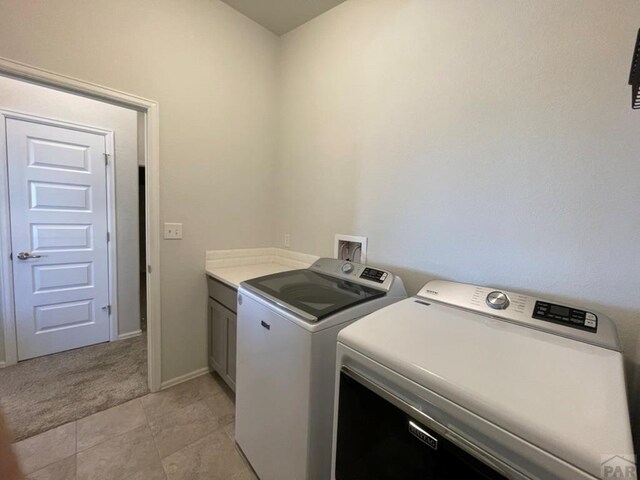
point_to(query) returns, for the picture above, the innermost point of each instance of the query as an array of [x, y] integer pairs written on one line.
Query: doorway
[[77, 282], [149, 111], [70, 176]]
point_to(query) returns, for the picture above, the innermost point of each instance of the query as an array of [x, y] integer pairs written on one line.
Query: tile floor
[[184, 432]]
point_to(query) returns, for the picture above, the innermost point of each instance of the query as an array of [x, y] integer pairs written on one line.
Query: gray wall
[[214, 73], [32, 99], [488, 142]]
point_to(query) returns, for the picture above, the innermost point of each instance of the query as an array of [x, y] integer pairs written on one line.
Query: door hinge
[[11, 256], [106, 158], [149, 268], [108, 237], [107, 308]]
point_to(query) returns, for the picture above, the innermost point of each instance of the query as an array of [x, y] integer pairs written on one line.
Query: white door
[[58, 204]]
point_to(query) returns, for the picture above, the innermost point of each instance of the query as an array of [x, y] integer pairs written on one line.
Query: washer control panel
[[374, 275], [570, 317], [357, 273]]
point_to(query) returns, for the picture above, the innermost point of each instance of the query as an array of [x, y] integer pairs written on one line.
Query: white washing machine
[[286, 356], [467, 382]]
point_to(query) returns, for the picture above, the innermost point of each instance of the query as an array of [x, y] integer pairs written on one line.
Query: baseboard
[[184, 378], [124, 336], [3, 364]]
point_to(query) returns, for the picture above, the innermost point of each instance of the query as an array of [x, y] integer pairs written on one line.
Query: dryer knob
[[498, 300], [347, 267]]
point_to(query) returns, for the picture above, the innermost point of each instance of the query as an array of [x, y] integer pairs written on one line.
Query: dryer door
[[402, 443]]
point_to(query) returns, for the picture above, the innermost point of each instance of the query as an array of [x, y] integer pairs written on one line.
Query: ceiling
[[282, 16]]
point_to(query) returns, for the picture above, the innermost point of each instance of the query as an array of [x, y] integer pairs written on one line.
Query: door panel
[[61, 237], [63, 315], [58, 198], [58, 155], [48, 278]]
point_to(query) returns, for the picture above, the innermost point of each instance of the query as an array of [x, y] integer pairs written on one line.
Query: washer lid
[[310, 294], [564, 396]]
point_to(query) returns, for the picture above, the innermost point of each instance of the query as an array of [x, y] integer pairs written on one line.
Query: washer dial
[[347, 267], [498, 300]]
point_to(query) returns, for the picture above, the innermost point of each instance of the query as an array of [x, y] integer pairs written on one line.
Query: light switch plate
[[173, 231]]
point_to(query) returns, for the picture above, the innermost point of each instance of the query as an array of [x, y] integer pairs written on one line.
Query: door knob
[[27, 255]]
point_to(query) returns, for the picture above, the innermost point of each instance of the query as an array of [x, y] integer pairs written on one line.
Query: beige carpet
[[42, 393]]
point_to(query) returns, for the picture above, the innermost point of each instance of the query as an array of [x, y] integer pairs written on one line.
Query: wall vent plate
[[351, 248]]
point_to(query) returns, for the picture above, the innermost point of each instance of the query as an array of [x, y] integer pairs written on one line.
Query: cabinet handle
[[265, 324]]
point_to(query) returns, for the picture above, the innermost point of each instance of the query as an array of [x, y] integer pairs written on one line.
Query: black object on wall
[[634, 76]]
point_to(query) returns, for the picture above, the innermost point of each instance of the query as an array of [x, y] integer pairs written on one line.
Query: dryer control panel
[[567, 321], [570, 317]]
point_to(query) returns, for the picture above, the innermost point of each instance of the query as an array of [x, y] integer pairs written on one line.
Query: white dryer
[[467, 382], [286, 357]]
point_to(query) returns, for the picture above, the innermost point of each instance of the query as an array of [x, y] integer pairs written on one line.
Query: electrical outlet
[[173, 231], [287, 240]]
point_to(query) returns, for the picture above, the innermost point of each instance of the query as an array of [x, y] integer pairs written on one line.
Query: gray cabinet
[[222, 330]]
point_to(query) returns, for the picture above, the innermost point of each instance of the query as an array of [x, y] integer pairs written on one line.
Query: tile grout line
[[109, 439], [219, 429], [26, 476], [215, 395], [230, 436], [48, 464], [153, 438], [114, 436]]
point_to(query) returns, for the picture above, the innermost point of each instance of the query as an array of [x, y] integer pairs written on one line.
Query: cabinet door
[[232, 329], [218, 337]]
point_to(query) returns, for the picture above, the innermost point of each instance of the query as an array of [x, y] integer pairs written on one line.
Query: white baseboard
[[3, 364], [124, 336], [184, 378]]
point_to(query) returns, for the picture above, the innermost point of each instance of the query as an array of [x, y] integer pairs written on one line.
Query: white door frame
[[152, 182], [6, 268]]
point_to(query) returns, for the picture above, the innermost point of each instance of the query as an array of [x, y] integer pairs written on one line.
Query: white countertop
[[233, 267], [233, 276]]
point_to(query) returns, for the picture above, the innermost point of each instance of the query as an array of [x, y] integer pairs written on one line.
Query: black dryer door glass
[[314, 293], [378, 441]]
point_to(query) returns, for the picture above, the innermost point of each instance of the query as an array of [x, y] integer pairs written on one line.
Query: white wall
[[488, 142], [44, 102], [214, 74]]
